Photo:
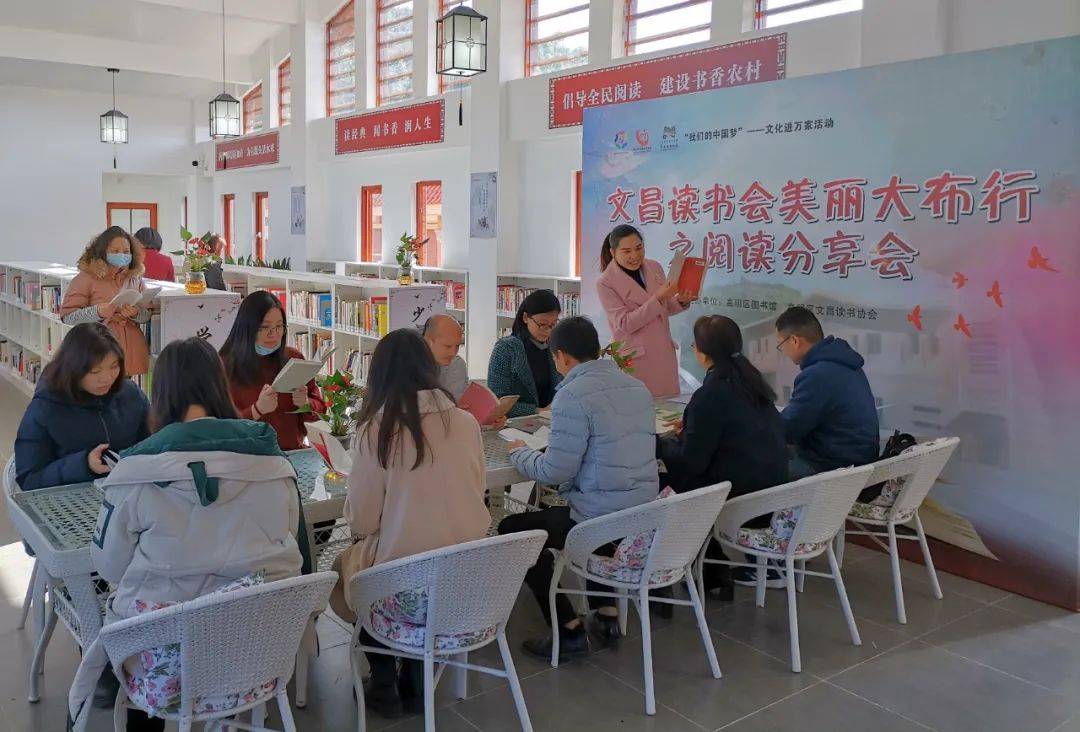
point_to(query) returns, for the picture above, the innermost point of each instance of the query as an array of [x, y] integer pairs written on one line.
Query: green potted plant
[[406, 256], [198, 254], [342, 396], [613, 351]]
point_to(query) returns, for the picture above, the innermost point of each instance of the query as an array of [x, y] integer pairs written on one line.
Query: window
[[557, 35], [451, 82], [429, 221], [653, 25], [131, 216], [577, 223], [371, 224], [341, 60], [394, 49], [228, 221], [253, 108], [284, 86], [262, 224], [773, 13]]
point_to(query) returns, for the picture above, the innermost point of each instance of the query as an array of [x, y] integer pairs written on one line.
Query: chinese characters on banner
[[718, 67], [247, 152], [741, 243], [416, 124]]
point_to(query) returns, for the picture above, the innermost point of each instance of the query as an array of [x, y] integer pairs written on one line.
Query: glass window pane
[[673, 20], [673, 42], [773, 19], [405, 10], [547, 7], [560, 49], [562, 24], [393, 50], [393, 32]]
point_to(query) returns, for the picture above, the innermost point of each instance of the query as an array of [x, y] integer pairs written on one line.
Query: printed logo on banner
[[642, 137], [620, 139], [670, 139]]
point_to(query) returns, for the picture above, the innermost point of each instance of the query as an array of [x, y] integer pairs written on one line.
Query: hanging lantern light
[[224, 108], [461, 43], [114, 123]]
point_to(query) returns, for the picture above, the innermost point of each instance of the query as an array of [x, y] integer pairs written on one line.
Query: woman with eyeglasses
[[521, 363], [638, 301], [253, 354]]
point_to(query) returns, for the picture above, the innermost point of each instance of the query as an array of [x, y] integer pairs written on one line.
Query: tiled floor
[[979, 660]]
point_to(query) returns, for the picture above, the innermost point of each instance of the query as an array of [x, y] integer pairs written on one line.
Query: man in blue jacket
[[602, 455], [831, 418]]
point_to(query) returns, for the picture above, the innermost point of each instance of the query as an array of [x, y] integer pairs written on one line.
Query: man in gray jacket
[[601, 454]]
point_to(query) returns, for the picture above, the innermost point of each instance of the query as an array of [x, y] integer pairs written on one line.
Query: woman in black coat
[[83, 405], [731, 429]]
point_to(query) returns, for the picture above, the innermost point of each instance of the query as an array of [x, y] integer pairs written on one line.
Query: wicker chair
[[470, 590], [820, 504], [35, 591], [229, 643], [679, 526], [914, 472]]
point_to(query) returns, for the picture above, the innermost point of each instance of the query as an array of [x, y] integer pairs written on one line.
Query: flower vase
[[332, 479], [195, 284], [405, 276]]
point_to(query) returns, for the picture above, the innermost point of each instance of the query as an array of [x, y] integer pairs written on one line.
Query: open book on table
[[335, 456], [537, 440], [298, 372], [481, 402], [131, 296]]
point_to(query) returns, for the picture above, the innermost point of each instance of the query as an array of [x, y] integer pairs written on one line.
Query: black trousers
[[557, 523], [139, 721], [384, 668]]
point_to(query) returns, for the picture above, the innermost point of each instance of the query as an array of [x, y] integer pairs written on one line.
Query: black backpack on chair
[[895, 445]]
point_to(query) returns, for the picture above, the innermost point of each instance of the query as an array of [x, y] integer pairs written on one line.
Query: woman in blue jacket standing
[[83, 405], [521, 363]]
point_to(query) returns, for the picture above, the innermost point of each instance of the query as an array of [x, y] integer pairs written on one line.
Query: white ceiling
[[162, 47]]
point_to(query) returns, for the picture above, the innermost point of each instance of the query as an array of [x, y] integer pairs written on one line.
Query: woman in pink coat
[[638, 301]]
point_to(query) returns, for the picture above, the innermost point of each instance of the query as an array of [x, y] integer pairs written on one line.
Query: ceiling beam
[[42, 45], [286, 12]]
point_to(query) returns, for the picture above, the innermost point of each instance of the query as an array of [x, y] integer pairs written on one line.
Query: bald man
[[444, 337]]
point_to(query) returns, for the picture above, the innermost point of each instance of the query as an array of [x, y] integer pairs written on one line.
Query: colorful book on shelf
[[481, 402]]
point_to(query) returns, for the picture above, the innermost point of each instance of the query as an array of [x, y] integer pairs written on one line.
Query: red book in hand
[[692, 276], [481, 402]]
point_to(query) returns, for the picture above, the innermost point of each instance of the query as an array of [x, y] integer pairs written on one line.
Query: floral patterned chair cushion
[[777, 537], [152, 678], [628, 560], [402, 618], [878, 509]]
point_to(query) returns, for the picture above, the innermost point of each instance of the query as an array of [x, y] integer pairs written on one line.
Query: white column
[[366, 48], [602, 30], [730, 20], [423, 43]]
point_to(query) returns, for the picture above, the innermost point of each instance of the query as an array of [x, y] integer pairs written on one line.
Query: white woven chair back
[[470, 587], [919, 468], [10, 486], [826, 500], [230, 642], [682, 524]]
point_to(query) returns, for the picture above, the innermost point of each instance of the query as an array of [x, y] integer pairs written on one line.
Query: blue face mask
[[118, 259], [263, 350]]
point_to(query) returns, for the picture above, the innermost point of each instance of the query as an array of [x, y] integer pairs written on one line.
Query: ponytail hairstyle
[[719, 338], [611, 243]]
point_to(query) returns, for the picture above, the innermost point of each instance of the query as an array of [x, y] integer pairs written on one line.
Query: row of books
[[357, 363], [309, 343], [456, 293], [370, 317], [312, 306], [510, 297], [20, 360], [570, 302]]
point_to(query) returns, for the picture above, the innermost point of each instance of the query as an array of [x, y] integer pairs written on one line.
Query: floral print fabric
[[402, 618], [777, 537], [152, 678], [879, 508], [628, 560]]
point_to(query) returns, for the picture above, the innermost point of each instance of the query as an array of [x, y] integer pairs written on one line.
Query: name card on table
[[247, 152], [415, 124]]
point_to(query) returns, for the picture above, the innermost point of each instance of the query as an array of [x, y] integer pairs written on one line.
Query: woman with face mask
[[253, 354], [112, 262]]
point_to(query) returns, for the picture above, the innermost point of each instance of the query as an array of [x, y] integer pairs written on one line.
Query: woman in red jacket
[[253, 354]]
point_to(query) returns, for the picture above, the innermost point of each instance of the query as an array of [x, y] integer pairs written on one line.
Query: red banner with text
[[416, 124], [247, 152], [717, 67]]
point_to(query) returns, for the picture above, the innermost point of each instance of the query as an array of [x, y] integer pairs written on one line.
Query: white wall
[[52, 160], [167, 191]]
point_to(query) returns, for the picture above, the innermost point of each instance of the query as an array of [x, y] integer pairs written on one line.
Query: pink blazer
[[640, 321]]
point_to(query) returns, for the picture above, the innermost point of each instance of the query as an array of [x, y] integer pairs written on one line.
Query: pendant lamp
[[114, 123], [461, 45], [224, 108]]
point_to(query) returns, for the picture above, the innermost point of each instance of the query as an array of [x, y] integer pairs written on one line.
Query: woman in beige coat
[[417, 484]]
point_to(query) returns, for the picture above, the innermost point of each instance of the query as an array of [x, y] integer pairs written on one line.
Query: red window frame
[[381, 6], [532, 21], [262, 214], [632, 16], [577, 223], [431, 254], [447, 83], [284, 81], [368, 253], [228, 219], [151, 207], [340, 29], [762, 11], [253, 107]]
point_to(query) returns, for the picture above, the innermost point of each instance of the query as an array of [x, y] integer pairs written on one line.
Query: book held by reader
[[689, 272], [481, 402], [131, 296], [537, 440], [298, 372]]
